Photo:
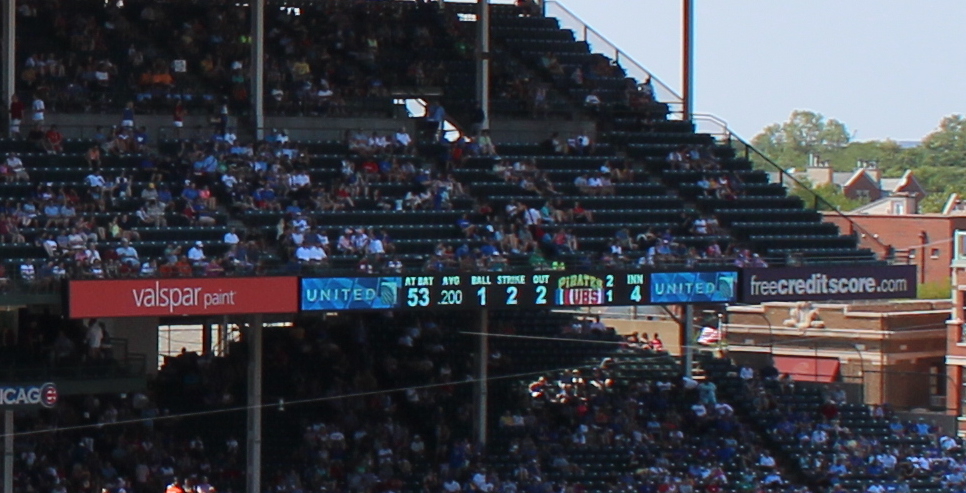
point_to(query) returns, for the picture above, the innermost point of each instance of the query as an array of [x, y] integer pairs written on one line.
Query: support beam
[[8, 450], [687, 343], [223, 336], [687, 60], [483, 60], [206, 343], [258, 68], [481, 386], [8, 59], [253, 478]]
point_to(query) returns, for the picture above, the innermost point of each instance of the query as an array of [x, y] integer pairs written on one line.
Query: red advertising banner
[[174, 297]]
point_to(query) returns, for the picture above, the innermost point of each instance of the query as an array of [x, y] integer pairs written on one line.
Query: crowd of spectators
[[670, 434], [390, 410], [410, 425], [842, 446]]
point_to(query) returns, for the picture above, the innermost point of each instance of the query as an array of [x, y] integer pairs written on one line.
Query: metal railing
[[718, 127], [600, 44]]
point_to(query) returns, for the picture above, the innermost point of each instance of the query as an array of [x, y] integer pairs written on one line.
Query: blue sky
[[887, 68]]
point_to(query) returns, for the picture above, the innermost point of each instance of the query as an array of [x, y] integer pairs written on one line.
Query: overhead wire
[[295, 402]]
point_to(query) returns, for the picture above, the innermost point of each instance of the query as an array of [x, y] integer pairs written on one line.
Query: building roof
[[842, 178]]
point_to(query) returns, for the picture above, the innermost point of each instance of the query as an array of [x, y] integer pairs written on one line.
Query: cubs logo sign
[[29, 395]]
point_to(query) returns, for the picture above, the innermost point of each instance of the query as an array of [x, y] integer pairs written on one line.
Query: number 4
[[636, 294]]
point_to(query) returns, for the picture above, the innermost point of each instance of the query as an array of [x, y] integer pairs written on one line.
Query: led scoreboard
[[501, 290]]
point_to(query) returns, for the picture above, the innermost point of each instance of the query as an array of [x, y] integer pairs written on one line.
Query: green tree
[[947, 145], [805, 132]]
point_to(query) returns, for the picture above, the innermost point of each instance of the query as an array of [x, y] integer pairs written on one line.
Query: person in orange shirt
[[175, 487], [162, 79]]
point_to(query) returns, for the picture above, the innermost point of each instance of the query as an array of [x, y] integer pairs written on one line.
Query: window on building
[[862, 194], [937, 379], [934, 253]]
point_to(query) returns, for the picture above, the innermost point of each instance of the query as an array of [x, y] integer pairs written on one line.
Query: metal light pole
[[8, 17], [483, 59], [254, 440], [687, 60], [258, 68]]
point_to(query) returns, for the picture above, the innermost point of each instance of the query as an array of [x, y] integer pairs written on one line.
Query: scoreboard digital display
[[503, 290]]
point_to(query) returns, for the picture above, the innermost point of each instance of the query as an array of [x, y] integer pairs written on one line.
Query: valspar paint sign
[[172, 297], [828, 283], [44, 395]]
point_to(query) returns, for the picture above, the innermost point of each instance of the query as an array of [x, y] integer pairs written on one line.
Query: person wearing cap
[[128, 255], [197, 254], [149, 193]]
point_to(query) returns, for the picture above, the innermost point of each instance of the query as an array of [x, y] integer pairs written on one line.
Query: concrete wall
[[530, 131], [315, 128], [76, 126]]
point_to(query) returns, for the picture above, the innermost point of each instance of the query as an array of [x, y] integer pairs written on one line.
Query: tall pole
[[687, 60], [258, 67], [483, 59], [9, 58], [254, 461], [206, 342], [688, 342], [8, 449], [481, 386]]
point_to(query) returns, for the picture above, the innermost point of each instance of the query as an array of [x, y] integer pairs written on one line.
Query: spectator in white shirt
[[404, 143], [531, 216], [39, 109], [303, 254], [16, 170], [317, 254], [94, 338], [230, 237], [299, 180], [766, 461], [95, 180], [375, 247], [127, 254], [197, 253]]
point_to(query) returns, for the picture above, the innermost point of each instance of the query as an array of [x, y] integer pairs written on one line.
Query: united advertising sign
[[828, 283], [693, 287], [350, 293], [175, 297]]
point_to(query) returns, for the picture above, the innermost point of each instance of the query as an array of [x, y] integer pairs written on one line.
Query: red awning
[[808, 369]]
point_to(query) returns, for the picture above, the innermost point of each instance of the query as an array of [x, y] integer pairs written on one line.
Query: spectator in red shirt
[[16, 115], [54, 141]]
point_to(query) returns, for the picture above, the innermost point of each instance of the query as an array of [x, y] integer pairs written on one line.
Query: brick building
[[925, 240], [881, 352], [956, 335], [864, 183]]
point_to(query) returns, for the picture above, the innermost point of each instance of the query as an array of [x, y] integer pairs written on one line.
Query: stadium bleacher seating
[[432, 206]]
